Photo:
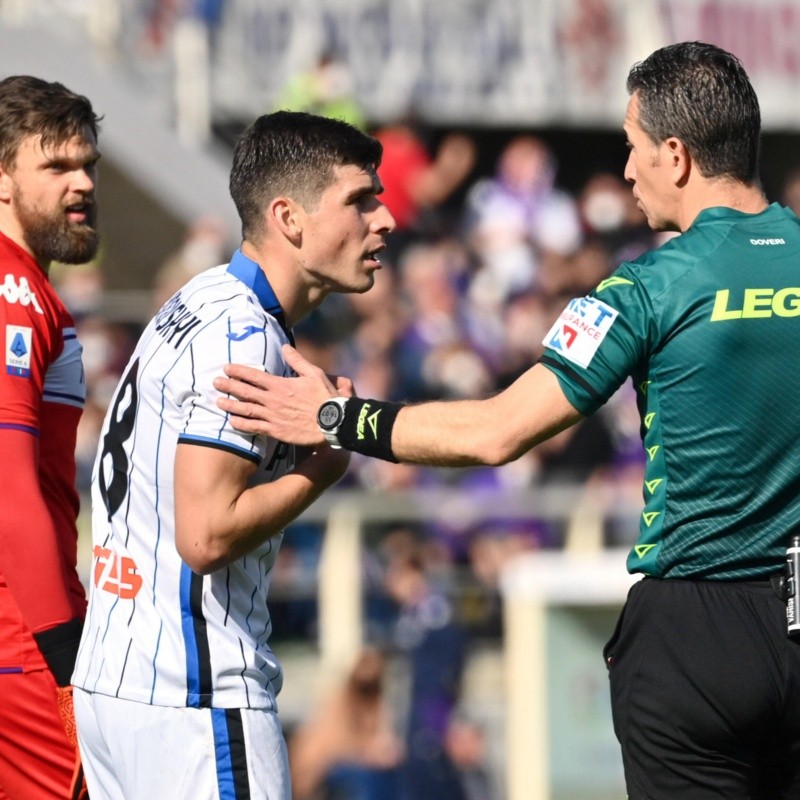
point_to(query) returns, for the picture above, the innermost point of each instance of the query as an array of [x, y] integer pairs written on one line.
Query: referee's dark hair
[[701, 94], [293, 154]]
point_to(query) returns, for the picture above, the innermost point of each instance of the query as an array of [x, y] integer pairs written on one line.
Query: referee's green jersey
[[708, 328]]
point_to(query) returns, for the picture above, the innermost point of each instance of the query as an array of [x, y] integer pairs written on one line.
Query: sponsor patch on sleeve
[[580, 329], [18, 350]]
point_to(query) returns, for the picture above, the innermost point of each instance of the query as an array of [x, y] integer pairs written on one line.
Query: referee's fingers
[[247, 373], [299, 364]]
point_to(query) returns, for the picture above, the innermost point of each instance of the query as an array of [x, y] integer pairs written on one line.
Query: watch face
[[330, 415]]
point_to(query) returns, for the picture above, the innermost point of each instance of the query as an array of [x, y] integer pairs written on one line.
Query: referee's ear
[[680, 159], [284, 216]]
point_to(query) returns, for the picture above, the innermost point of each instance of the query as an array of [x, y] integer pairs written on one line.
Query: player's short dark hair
[[701, 94], [31, 106], [293, 154]]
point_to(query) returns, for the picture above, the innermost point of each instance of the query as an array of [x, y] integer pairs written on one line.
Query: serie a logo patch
[[19, 344], [580, 329]]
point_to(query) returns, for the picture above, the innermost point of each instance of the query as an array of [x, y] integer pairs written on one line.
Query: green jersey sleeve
[[601, 339]]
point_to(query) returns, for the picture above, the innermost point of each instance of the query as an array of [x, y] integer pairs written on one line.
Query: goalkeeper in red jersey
[[48, 164]]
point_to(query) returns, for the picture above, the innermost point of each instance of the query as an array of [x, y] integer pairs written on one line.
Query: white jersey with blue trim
[[155, 631]]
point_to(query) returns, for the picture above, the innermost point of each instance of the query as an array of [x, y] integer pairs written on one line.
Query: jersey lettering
[[116, 574], [757, 304], [21, 293], [175, 320]]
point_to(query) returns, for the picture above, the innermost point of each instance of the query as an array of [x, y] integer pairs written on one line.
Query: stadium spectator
[[609, 213], [161, 17], [434, 316], [326, 88], [205, 244], [466, 746], [417, 182], [435, 645], [348, 748], [515, 216], [703, 674], [48, 172], [188, 515]]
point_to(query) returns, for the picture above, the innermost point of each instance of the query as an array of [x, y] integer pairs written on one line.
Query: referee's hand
[[283, 408]]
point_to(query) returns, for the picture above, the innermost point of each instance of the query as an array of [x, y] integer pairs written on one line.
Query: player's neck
[[11, 229], [285, 283]]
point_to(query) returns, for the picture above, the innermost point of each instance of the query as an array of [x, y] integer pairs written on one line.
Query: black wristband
[[367, 427], [59, 647]]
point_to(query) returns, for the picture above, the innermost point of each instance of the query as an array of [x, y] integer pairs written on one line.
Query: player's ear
[[6, 184], [285, 216]]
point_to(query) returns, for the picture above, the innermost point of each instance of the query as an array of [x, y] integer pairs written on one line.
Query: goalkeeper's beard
[[52, 237]]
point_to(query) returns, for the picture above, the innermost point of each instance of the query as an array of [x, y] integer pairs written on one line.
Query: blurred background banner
[[496, 62], [479, 62]]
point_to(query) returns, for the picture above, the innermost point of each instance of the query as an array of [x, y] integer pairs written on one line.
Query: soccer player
[[48, 158], [705, 683], [177, 679]]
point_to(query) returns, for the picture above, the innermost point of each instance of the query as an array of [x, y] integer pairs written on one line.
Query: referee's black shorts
[[705, 692]]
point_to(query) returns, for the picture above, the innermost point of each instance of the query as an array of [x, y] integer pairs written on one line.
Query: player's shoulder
[[25, 291], [19, 263], [214, 293], [215, 305]]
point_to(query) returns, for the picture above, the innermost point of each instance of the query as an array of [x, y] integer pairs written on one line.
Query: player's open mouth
[[372, 256], [80, 213]]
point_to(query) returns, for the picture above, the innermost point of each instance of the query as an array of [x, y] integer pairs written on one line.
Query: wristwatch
[[329, 419]]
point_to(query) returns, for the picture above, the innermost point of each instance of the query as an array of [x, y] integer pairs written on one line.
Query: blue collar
[[249, 273]]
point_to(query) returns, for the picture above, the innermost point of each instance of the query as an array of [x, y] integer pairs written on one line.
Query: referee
[[705, 681]]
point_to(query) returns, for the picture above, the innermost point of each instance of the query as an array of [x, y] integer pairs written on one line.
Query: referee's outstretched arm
[[451, 433]]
